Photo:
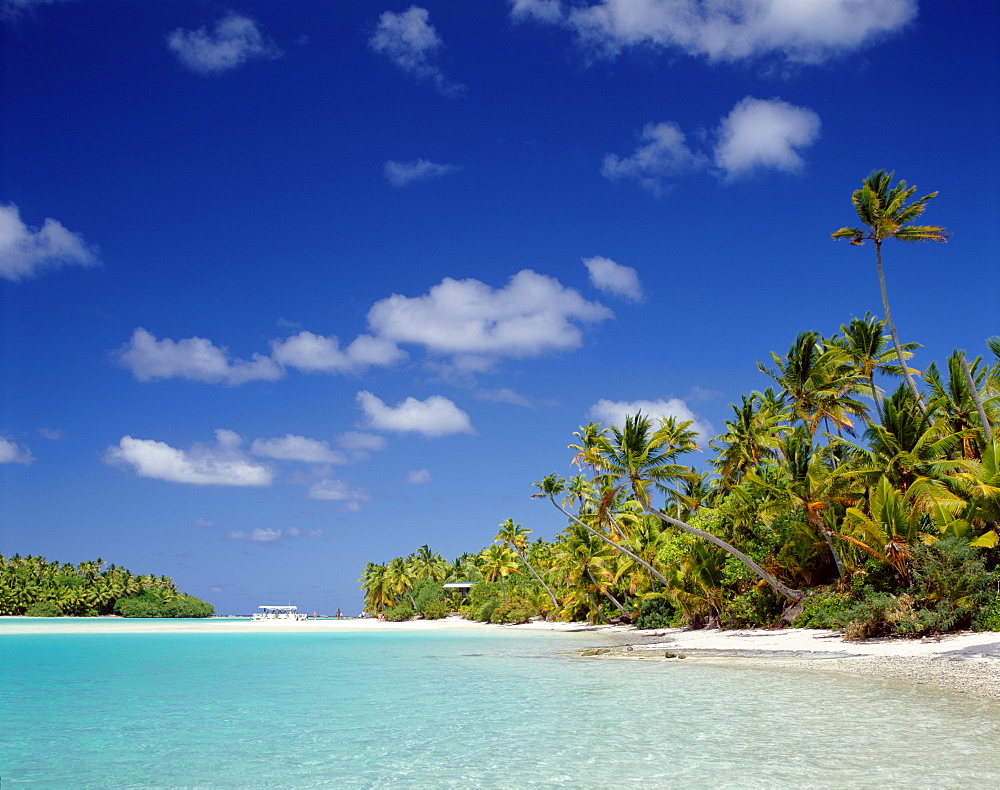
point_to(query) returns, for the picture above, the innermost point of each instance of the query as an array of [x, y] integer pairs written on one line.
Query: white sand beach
[[966, 662]]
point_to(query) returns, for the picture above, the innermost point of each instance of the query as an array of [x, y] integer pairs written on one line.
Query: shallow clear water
[[493, 708]]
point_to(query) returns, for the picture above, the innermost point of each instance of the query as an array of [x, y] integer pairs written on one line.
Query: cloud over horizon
[[234, 40], [26, 251]]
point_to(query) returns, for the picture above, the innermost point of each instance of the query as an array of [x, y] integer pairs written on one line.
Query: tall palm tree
[[886, 215], [866, 348], [515, 536]]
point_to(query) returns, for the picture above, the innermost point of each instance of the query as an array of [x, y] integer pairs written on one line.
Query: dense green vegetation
[[34, 587], [836, 497]]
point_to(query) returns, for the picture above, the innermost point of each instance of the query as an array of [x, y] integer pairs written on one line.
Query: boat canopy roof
[[279, 608]]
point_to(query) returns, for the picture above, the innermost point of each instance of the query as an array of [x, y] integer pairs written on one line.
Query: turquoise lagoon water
[[483, 708]]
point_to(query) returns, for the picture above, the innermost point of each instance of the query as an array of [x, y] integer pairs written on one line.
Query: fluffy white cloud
[[26, 251], [222, 464], [476, 324], [291, 447], [192, 358], [360, 440], [663, 154], [612, 412], [410, 41], [764, 133], [614, 278], [436, 416], [399, 174], [332, 490], [757, 133], [13, 453], [234, 40], [802, 31], [418, 477], [318, 354]]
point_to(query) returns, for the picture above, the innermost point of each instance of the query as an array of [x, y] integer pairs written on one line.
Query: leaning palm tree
[[886, 214], [515, 536]]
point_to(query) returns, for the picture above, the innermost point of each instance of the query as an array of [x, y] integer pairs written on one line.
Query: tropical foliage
[[842, 494], [36, 587]]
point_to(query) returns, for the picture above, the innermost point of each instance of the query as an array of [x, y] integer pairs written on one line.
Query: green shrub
[[149, 604], [511, 613], [655, 613], [43, 609], [823, 610], [396, 614], [426, 590], [484, 613], [436, 609], [754, 608]]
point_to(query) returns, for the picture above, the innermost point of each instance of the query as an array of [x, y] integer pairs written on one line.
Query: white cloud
[[26, 251], [13, 453], [318, 534], [476, 325], [544, 10], [257, 536], [612, 412], [410, 41], [436, 416], [399, 174], [801, 31], [52, 434], [418, 477], [757, 133], [664, 154], [333, 490], [204, 523], [222, 464], [360, 440], [614, 278], [233, 42], [764, 133], [291, 447], [192, 358], [318, 354]]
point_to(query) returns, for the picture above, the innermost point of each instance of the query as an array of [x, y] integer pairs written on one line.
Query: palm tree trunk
[[597, 606], [787, 592], [892, 328], [606, 539], [555, 603], [975, 397]]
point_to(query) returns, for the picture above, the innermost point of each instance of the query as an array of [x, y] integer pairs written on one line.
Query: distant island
[[34, 587]]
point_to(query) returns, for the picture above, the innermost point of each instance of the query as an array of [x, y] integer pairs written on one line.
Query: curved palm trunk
[[787, 592], [607, 594], [892, 328], [987, 433], [606, 539], [555, 603]]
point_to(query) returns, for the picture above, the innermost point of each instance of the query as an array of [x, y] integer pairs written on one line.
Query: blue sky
[[291, 286]]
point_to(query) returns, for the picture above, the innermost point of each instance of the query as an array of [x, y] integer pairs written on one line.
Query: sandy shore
[[966, 662]]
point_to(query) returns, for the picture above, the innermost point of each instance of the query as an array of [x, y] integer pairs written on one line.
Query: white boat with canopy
[[281, 613]]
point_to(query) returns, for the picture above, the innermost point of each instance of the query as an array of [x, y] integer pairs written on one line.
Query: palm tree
[[885, 213], [865, 345], [497, 562], [817, 383], [515, 536]]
